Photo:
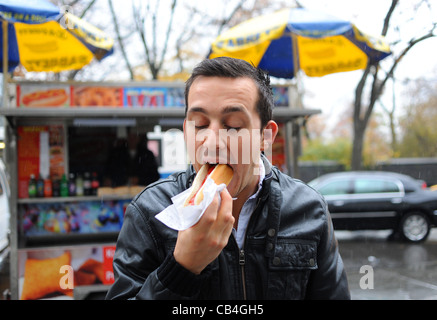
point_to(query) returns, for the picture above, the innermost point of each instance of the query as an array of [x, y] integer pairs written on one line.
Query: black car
[[360, 200]]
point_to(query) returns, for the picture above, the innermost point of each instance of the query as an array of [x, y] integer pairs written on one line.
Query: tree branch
[[139, 25], [119, 39], [226, 21], [167, 36], [90, 4], [388, 17]]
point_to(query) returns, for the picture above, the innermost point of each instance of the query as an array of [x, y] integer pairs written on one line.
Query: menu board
[[82, 96], [44, 95]]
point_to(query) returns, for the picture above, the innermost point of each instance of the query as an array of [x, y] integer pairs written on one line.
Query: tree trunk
[[358, 145]]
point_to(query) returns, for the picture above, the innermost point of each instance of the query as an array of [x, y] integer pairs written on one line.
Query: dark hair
[[235, 68]]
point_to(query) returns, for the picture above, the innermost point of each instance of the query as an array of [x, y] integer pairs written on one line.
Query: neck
[[238, 203]]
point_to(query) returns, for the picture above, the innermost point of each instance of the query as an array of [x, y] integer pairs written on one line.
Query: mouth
[[213, 161], [212, 165]]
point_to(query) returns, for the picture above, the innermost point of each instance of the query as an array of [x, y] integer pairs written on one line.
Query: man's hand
[[198, 246]]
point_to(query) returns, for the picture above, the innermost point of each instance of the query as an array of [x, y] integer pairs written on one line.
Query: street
[[401, 271]]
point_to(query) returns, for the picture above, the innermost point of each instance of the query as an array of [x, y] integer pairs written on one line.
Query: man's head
[[228, 119], [235, 68]]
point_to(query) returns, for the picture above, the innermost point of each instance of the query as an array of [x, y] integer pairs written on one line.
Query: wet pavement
[[397, 270]]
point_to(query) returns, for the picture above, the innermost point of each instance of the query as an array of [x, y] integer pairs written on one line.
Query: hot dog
[[47, 98], [220, 173]]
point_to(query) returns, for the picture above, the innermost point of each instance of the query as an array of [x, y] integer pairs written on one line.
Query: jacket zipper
[[242, 257], [242, 262]]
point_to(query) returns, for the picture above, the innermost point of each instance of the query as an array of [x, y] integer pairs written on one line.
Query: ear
[[185, 133], [269, 134]]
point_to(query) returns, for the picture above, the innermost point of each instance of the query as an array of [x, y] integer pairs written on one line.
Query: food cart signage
[[61, 95]]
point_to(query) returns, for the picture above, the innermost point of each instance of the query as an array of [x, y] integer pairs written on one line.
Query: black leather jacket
[[290, 250]]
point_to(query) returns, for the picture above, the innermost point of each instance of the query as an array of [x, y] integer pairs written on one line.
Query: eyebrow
[[226, 110], [231, 109]]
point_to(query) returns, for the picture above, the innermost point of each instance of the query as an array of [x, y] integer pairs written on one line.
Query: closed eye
[[232, 128]]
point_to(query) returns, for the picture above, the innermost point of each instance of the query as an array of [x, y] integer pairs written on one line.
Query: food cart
[[63, 241]]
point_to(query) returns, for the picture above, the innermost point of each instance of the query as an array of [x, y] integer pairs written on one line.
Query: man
[[269, 236]]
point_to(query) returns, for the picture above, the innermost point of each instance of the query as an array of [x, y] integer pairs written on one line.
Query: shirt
[[247, 210]]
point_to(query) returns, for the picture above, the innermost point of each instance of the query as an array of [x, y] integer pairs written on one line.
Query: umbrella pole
[[295, 52], [5, 63]]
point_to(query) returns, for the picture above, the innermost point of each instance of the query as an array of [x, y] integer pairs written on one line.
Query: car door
[[337, 192], [373, 203]]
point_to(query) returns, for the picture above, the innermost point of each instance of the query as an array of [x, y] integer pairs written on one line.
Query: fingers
[[220, 213], [217, 222], [199, 245], [225, 212]]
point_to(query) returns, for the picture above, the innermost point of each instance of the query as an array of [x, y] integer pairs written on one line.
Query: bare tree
[[162, 40], [143, 14], [362, 110]]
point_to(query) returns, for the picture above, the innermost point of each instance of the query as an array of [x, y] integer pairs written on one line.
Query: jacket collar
[[267, 179]]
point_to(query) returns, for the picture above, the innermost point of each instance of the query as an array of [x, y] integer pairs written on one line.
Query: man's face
[[223, 126]]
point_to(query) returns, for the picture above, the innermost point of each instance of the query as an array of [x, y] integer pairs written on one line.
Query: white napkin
[[178, 217]]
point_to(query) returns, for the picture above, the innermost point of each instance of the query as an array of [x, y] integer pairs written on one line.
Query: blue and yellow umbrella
[[42, 38], [291, 39]]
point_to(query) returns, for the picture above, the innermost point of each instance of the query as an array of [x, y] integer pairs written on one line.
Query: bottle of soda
[[56, 187], [71, 185], [32, 186], [94, 184], [64, 186], [48, 188], [40, 187], [87, 184], [79, 185]]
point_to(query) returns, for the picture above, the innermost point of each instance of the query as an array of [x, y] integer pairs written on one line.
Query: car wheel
[[415, 227]]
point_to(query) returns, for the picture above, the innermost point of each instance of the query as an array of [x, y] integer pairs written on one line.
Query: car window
[[374, 186], [335, 187]]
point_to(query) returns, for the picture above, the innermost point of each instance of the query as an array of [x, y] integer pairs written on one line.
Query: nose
[[213, 141]]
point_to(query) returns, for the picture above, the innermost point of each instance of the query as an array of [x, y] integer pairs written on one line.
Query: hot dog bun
[[220, 173]]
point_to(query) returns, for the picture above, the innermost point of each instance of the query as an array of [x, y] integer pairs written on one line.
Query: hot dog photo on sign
[[36, 97]]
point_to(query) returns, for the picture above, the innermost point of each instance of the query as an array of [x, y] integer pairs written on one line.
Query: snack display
[[220, 173], [73, 218]]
